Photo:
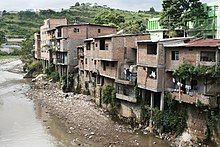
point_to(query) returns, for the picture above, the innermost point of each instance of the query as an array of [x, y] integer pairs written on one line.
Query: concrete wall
[[196, 122], [130, 110], [37, 45]]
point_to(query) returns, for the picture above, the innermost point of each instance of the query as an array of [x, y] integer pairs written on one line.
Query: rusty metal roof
[[199, 43]]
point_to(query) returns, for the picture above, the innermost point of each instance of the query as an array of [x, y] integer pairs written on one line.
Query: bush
[[109, 97], [34, 65], [55, 76], [170, 120]]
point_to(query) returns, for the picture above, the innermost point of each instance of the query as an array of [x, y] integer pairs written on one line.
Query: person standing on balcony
[[128, 73]]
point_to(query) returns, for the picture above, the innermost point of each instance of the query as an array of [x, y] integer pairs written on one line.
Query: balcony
[[126, 98], [124, 78], [62, 61], [125, 81], [151, 83], [195, 98]]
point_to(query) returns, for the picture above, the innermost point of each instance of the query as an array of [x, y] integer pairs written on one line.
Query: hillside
[[25, 23]]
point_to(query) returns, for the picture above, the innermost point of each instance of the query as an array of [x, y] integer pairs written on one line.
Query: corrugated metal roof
[[86, 24], [199, 43]]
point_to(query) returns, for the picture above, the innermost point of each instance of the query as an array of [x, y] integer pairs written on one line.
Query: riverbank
[[13, 65], [8, 57], [88, 123]]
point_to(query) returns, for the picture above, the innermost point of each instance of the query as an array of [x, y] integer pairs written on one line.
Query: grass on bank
[[8, 57]]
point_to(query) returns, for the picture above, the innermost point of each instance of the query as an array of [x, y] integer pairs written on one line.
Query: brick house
[[103, 59], [69, 37], [59, 42], [198, 52], [157, 60], [43, 40], [151, 69], [37, 46]]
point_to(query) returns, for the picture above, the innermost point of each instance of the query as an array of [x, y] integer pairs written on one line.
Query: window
[[85, 60], [96, 45], [88, 45], [210, 21], [208, 56], [102, 44], [59, 32], [175, 55], [209, 8], [152, 72], [113, 64], [104, 66], [99, 30], [106, 46], [107, 63], [76, 30], [94, 62], [98, 80], [152, 48]]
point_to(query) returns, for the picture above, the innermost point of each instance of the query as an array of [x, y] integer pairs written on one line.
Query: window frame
[[175, 55]]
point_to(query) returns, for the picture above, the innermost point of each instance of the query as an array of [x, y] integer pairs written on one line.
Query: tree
[[77, 4], [152, 10], [2, 37], [176, 13], [107, 17]]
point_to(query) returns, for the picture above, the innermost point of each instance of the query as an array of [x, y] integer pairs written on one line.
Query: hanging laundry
[[174, 80], [153, 74], [179, 84]]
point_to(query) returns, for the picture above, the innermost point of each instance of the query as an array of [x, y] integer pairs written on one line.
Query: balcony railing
[[128, 78], [195, 98]]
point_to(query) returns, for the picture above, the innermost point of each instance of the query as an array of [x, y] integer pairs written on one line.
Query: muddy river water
[[24, 124]]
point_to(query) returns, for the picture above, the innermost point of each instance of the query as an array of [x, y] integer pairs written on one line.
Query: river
[[25, 124]]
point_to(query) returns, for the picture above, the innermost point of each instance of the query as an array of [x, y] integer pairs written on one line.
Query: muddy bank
[[89, 124]]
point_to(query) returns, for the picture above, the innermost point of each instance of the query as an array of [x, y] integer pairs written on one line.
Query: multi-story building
[[59, 41], [199, 53], [218, 21], [43, 39], [69, 37], [104, 61], [151, 69], [37, 46], [206, 28], [157, 62]]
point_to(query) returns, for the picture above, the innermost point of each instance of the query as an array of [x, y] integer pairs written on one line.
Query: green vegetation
[[52, 73], [188, 71], [2, 37], [8, 57], [176, 14], [86, 91], [109, 96], [78, 86], [170, 120], [25, 23]]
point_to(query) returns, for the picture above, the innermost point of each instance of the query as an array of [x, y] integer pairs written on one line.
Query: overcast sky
[[132, 5]]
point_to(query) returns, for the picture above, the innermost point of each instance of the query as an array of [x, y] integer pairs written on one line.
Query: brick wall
[[142, 52], [141, 77]]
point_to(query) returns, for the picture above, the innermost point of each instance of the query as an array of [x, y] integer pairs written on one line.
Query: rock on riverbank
[[81, 116]]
